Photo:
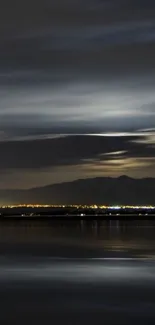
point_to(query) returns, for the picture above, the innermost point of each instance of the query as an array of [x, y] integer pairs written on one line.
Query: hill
[[100, 190]]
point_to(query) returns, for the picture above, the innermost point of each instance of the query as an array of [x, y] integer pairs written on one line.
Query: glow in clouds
[[78, 102]]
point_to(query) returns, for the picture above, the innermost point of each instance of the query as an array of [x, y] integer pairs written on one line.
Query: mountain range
[[100, 190]]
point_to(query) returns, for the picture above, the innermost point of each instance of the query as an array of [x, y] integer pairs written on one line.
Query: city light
[[94, 206]]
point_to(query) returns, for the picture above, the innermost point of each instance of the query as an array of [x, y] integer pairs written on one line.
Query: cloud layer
[[76, 68]]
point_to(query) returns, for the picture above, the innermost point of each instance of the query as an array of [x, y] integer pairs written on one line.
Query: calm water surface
[[77, 273], [112, 237]]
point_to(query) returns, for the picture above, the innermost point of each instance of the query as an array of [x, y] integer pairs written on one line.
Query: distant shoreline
[[72, 218]]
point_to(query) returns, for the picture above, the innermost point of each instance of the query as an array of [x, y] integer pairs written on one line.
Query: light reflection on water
[[38, 284], [111, 235]]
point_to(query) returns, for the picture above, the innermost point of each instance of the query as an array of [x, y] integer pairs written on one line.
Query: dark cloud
[[64, 12], [68, 150]]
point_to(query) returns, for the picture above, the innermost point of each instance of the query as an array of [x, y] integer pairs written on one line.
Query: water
[[78, 237], [77, 272]]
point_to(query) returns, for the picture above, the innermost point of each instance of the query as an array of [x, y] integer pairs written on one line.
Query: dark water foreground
[[77, 273]]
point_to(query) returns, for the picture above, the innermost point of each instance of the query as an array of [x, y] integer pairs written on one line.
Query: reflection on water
[[109, 235], [39, 288]]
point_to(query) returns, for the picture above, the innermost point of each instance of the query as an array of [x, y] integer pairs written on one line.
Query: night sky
[[77, 90]]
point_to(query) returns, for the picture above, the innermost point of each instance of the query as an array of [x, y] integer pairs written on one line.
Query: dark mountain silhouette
[[100, 190]]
